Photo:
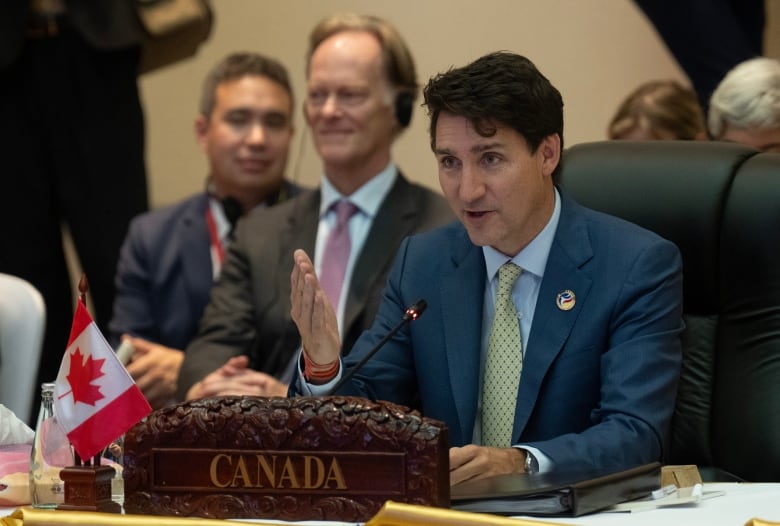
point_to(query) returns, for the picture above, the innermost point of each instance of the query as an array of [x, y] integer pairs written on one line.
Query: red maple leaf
[[81, 375]]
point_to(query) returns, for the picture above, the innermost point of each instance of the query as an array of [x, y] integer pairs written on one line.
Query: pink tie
[[336, 255]]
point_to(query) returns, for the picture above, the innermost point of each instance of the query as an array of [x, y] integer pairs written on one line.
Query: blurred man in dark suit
[[171, 256]]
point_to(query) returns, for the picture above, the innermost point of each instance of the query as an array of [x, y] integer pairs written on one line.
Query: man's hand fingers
[[476, 462]]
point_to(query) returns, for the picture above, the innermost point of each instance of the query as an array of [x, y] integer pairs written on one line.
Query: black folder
[[563, 494]]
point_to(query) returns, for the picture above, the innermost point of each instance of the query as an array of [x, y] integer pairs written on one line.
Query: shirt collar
[[220, 220], [368, 198], [532, 258]]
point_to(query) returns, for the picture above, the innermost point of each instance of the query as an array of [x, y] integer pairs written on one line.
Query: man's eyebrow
[[442, 151], [264, 112], [478, 148]]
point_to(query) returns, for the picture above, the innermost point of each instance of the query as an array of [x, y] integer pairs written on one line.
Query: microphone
[[412, 313]]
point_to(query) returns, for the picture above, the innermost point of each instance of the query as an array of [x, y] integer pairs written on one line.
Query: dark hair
[[239, 65], [659, 106], [398, 61], [499, 88]]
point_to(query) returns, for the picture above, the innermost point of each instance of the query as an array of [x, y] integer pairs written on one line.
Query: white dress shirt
[[368, 198], [223, 229]]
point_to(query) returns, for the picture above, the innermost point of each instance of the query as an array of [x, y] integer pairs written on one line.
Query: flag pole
[[83, 288]]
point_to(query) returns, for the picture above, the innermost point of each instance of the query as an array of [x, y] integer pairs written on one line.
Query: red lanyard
[[216, 243]]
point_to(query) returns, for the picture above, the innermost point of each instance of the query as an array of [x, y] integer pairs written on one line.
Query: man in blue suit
[[171, 256], [583, 358]]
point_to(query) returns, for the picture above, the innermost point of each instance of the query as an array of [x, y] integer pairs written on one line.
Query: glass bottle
[[113, 455], [51, 452]]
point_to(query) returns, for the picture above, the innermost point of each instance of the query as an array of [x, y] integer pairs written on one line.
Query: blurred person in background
[[172, 256], [659, 110], [745, 107]]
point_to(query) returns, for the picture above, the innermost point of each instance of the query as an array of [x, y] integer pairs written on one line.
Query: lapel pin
[[566, 300]]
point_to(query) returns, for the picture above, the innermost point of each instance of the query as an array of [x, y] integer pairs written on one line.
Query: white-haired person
[[745, 107]]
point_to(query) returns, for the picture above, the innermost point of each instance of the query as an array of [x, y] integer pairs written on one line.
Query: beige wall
[[594, 51]]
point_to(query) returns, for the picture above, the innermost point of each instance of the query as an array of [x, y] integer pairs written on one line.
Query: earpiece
[[403, 108]]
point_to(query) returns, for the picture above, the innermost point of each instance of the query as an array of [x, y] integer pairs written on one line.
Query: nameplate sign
[[277, 472], [317, 458]]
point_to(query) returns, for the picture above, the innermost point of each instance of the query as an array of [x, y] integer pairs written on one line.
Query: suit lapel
[[571, 248], [462, 321], [394, 220], [298, 231], [193, 235]]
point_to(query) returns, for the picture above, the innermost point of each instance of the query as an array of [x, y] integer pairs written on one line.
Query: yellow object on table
[[761, 522], [28, 516], [399, 514]]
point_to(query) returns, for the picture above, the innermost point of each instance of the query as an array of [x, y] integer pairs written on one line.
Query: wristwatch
[[531, 465]]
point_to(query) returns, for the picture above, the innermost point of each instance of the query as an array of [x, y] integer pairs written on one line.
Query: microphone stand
[[411, 314]]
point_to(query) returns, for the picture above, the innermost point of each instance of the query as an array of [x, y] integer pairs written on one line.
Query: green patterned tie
[[503, 364]]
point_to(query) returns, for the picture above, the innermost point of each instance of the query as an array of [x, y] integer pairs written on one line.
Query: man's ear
[[201, 132], [550, 153]]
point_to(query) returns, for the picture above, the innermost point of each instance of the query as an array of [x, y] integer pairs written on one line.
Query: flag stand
[[88, 484], [88, 487]]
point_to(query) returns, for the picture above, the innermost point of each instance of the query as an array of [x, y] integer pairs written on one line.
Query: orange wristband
[[314, 371]]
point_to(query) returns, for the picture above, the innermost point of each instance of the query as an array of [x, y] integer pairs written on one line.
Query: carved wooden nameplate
[[309, 458]]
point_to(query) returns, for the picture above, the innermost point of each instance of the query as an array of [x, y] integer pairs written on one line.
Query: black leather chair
[[720, 203]]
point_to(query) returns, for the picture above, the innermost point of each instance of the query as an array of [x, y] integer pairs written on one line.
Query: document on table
[[678, 497]]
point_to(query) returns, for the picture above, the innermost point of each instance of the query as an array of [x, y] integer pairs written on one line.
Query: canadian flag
[[95, 398]]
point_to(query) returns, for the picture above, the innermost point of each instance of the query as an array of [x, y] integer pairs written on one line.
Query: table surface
[[739, 504]]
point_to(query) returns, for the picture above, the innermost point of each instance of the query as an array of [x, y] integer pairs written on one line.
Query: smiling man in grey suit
[[361, 87]]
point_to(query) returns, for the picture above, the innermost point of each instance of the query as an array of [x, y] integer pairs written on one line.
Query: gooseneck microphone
[[411, 314]]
